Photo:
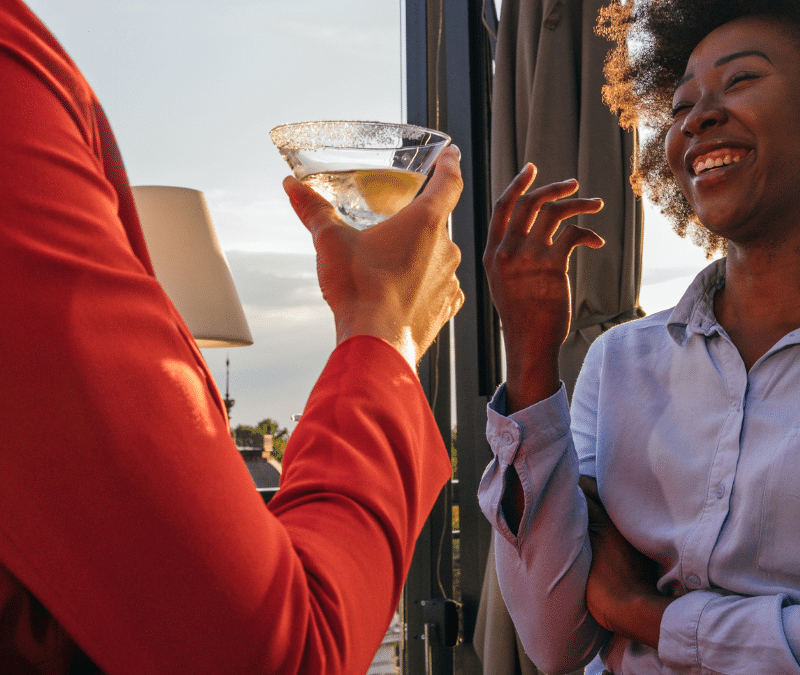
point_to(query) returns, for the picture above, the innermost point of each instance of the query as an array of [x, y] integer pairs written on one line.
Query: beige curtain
[[547, 109], [495, 640]]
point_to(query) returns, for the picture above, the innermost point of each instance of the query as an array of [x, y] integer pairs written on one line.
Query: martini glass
[[367, 170]]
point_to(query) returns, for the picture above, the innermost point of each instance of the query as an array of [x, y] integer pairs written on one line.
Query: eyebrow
[[727, 59]]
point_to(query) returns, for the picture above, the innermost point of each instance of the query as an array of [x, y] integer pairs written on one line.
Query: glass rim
[[281, 135]]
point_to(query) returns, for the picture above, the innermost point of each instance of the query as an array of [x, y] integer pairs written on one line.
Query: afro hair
[[654, 40]]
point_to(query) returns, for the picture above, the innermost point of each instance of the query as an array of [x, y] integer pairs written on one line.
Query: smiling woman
[[642, 82], [654, 521], [728, 146]]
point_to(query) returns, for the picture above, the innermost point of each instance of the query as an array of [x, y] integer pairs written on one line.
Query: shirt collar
[[694, 313]]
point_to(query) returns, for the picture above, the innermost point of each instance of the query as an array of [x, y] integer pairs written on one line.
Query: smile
[[717, 159]]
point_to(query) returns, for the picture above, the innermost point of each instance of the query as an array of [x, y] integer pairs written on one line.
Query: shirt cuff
[[511, 439], [538, 425], [677, 640], [716, 632]]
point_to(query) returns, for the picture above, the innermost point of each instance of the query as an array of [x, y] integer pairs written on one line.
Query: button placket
[[699, 546]]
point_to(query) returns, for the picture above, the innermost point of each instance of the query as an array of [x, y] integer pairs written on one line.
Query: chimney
[[267, 454]]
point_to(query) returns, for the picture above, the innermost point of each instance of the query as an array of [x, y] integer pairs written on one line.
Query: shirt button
[[507, 438], [720, 491], [693, 581]]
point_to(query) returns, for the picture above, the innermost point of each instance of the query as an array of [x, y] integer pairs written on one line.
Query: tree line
[[246, 436]]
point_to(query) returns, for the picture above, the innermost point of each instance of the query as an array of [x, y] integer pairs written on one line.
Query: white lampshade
[[190, 265]]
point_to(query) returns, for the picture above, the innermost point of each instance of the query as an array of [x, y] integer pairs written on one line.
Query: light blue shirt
[[698, 464]]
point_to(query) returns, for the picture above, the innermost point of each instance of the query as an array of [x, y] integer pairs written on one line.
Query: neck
[[760, 302]]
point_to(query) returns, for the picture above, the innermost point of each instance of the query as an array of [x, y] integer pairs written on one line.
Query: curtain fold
[[547, 109]]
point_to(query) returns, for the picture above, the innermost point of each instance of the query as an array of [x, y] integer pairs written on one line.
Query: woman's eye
[[741, 77], [678, 108]]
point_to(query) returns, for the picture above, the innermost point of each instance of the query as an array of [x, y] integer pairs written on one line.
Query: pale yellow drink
[[364, 197]]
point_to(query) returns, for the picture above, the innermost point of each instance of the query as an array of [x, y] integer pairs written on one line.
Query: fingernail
[[458, 151]]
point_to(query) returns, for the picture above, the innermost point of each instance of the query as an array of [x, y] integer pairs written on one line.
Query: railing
[[267, 493]]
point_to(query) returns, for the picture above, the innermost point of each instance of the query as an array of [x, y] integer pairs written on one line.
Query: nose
[[706, 113]]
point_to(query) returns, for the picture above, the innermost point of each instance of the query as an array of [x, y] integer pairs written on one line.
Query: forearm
[[533, 376], [355, 523], [544, 567], [621, 591], [638, 618]]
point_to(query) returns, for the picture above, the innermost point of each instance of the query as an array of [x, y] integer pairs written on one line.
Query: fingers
[[532, 219], [517, 213], [543, 211], [573, 236], [550, 198], [444, 188], [312, 208], [505, 205]]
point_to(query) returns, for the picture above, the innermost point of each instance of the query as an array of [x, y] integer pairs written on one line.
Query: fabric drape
[[547, 109]]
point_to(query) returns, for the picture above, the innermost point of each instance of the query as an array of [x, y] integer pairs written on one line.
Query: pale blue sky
[[192, 88]]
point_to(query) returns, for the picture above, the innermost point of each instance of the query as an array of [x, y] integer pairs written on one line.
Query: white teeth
[[709, 163]]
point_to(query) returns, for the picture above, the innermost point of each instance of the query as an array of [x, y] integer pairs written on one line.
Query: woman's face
[[734, 145]]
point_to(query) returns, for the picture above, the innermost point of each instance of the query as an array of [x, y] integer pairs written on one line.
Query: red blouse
[[126, 510]]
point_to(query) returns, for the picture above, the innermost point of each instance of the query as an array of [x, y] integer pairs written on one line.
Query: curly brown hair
[[654, 40]]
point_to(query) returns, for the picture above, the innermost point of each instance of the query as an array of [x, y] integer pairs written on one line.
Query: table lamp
[[190, 265]]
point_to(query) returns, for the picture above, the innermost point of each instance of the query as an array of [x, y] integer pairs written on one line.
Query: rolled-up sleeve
[[542, 570], [723, 633]]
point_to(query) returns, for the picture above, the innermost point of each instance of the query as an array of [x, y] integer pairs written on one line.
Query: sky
[[192, 88]]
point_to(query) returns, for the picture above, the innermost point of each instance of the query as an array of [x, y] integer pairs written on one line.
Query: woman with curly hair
[[681, 552]]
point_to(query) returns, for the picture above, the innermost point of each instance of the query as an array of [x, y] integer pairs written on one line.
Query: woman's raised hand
[[397, 279], [527, 271]]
